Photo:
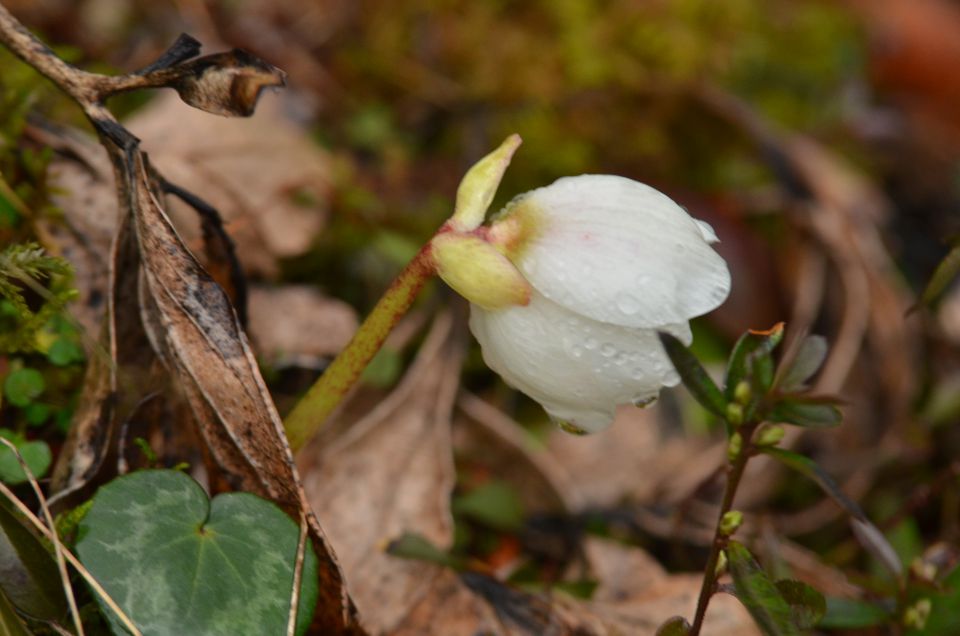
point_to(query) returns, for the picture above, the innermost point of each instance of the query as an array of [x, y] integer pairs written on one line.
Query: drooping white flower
[[582, 275]]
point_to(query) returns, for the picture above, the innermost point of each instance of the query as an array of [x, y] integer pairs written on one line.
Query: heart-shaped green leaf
[[178, 563]]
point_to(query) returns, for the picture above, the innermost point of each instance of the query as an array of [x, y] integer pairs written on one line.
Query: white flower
[[570, 284], [610, 262]]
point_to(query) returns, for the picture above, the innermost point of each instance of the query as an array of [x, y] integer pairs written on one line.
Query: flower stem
[[734, 474], [312, 410]]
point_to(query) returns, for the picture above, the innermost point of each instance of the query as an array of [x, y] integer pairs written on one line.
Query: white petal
[[579, 369], [619, 251]]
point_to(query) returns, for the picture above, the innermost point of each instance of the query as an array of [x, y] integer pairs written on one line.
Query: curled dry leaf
[[264, 175], [120, 372], [192, 326], [226, 84], [389, 473]]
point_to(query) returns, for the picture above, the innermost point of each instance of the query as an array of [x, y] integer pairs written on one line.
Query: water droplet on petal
[[608, 350], [591, 343], [577, 351], [628, 304]]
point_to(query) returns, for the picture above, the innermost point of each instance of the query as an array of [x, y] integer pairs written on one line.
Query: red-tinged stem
[[315, 407], [735, 471]]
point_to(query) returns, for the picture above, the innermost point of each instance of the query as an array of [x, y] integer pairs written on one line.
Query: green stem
[[734, 475], [312, 410]]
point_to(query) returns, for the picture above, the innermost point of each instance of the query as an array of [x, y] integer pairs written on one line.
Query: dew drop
[[628, 304], [607, 350], [591, 343]]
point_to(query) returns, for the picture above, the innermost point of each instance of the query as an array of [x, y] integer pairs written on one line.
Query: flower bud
[[480, 184], [730, 521], [734, 447], [770, 435], [735, 414], [742, 393], [721, 563], [915, 616], [478, 272]]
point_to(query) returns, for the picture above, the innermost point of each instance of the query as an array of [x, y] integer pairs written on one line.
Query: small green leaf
[[10, 623], [37, 413], [415, 547], [811, 469], [751, 359], [64, 351], [844, 613], [495, 504], [179, 563], [807, 605], [36, 454], [810, 355], [694, 377], [676, 626], [759, 594], [942, 277], [23, 386], [806, 413]]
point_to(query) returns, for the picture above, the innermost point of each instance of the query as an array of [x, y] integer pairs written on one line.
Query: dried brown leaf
[[447, 607], [193, 327], [389, 473], [226, 84], [489, 436], [632, 460], [122, 359], [297, 320], [269, 182]]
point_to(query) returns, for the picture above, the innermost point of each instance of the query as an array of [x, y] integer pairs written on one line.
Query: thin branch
[[710, 575]]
